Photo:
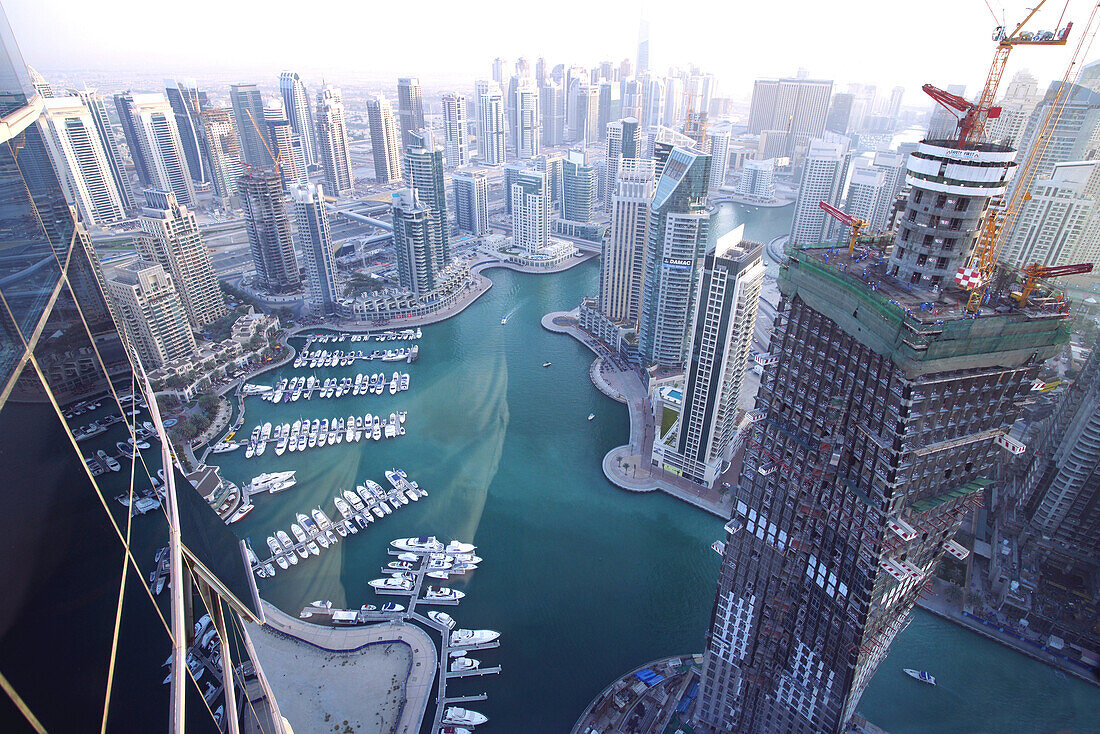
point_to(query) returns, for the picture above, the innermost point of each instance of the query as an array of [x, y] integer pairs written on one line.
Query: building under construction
[[882, 410]]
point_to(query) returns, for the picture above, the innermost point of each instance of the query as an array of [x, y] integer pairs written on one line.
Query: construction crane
[[857, 225], [275, 157], [1034, 272], [971, 121]]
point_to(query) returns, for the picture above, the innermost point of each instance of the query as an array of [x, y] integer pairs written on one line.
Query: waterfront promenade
[[365, 679], [628, 466]]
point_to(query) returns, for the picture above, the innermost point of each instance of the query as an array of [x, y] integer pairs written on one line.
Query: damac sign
[[674, 262]]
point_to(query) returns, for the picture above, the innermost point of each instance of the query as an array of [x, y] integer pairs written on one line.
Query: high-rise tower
[[491, 134], [152, 317], [410, 107], [624, 140], [471, 194], [188, 102], [248, 115], [456, 130], [224, 150], [269, 231], [332, 141], [823, 172], [312, 228], [299, 112], [97, 107], [384, 139], [579, 183], [417, 256], [528, 129], [530, 211], [154, 142], [424, 174], [622, 269]]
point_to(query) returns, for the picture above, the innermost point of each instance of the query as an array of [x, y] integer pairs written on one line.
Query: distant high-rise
[[384, 140], [269, 231], [823, 172], [248, 115], [171, 237], [579, 181], [893, 107], [757, 180], [674, 102], [40, 83], [1074, 128], [798, 105], [491, 134], [1053, 226], [643, 46], [528, 133], [188, 102], [840, 113], [299, 112], [610, 106], [700, 445], [154, 142], [285, 145], [456, 130], [145, 301], [312, 229], [471, 194], [583, 110], [511, 174], [622, 268], [552, 111], [718, 145], [624, 140], [224, 150], [414, 243], [424, 174], [553, 167], [866, 193], [410, 108], [530, 211], [332, 141], [680, 231], [653, 103], [632, 93], [80, 160], [107, 140]]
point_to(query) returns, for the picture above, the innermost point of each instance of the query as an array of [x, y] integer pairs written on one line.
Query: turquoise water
[[583, 580]]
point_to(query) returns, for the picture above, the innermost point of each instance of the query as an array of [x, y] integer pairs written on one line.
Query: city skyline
[[78, 42]]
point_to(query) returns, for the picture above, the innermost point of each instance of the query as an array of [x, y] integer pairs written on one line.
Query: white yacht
[[391, 585], [354, 500], [288, 547], [441, 594], [922, 675], [423, 544], [459, 665], [457, 547], [322, 437], [463, 717], [272, 482], [442, 618], [349, 434], [469, 638]]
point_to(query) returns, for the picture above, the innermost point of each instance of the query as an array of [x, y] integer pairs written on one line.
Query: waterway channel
[[583, 580]]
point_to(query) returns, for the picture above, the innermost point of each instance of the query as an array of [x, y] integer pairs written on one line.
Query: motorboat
[[349, 432], [422, 544], [400, 566], [391, 607], [591, 416], [277, 552], [442, 594], [369, 500], [922, 675], [458, 547], [303, 540], [442, 618], [459, 665], [469, 638], [547, 364], [392, 584], [322, 437], [463, 717], [410, 557], [288, 547], [354, 500], [272, 482]]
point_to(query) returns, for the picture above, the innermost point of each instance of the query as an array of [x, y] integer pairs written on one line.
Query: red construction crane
[[855, 224], [1035, 272]]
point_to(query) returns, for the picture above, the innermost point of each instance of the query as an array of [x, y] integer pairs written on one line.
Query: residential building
[[299, 112], [799, 106], [610, 106], [840, 113], [188, 102], [624, 140], [1053, 226], [105, 132], [579, 183], [269, 231], [491, 133], [622, 268], [673, 114], [718, 145], [332, 141], [866, 195], [757, 180], [554, 168], [643, 46], [530, 211], [40, 84], [315, 240], [418, 263], [410, 108], [653, 103], [552, 111], [700, 444], [680, 231], [150, 128], [224, 150], [150, 313], [80, 160], [471, 194], [248, 116], [171, 238], [424, 174], [456, 130], [823, 172], [285, 145], [384, 140], [528, 127]]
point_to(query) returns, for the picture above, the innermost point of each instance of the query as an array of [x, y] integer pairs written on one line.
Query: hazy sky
[[884, 42]]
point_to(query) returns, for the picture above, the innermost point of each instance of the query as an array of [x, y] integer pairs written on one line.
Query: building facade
[[248, 115], [622, 269], [299, 112], [456, 130], [530, 211], [312, 228], [332, 141], [491, 133], [269, 231], [410, 108], [580, 184], [823, 173], [150, 128], [188, 102], [418, 261], [384, 140], [152, 317], [224, 150], [471, 194]]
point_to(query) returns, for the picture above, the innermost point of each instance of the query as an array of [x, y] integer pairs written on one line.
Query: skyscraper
[[528, 132], [624, 140], [943, 124], [332, 141], [653, 103], [188, 102], [1053, 225], [866, 193], [171, 238], [798, 105], [152, 317], [269, 231], [224, 150], [285, 145], [583, 110], [552, 110], [530, 211], [553, 167], [873, 436], [80, 160], [700, 445], [424, 174], [384, 140], [471, 194], [757, 180], [622, 269], [491, 135], [680, 231], [823, 172], [300, 113], [840, 113], [643, 46], [417, 256], [579, 181], [107, 140], [718, 145], [311, 226], [154, 142], [610, 106], [410, 107], [248, 115], [456, 130]]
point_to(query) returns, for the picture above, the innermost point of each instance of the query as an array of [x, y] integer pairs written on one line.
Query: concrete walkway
[[325, 657], [628, 467]]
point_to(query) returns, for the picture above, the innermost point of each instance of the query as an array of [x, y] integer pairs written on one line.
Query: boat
[[370, 500], [288, 547], [922, 675], [410, 557], [442, 618], [464, 717], [400, 565], [504, 321], [223, 447], [277, 552], [591, 416], [392, 584], [322, 437], [470, 638], [272, 482], [423, 544], [354, 500], [547, 364], [455, 730], [391, 607], [108, 461], [302, 538], [441, 594], [395, 382], [349, 433], [265, 435], [284, 436], [458, 547], [239, 513], [459, 665], [337, 435]]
